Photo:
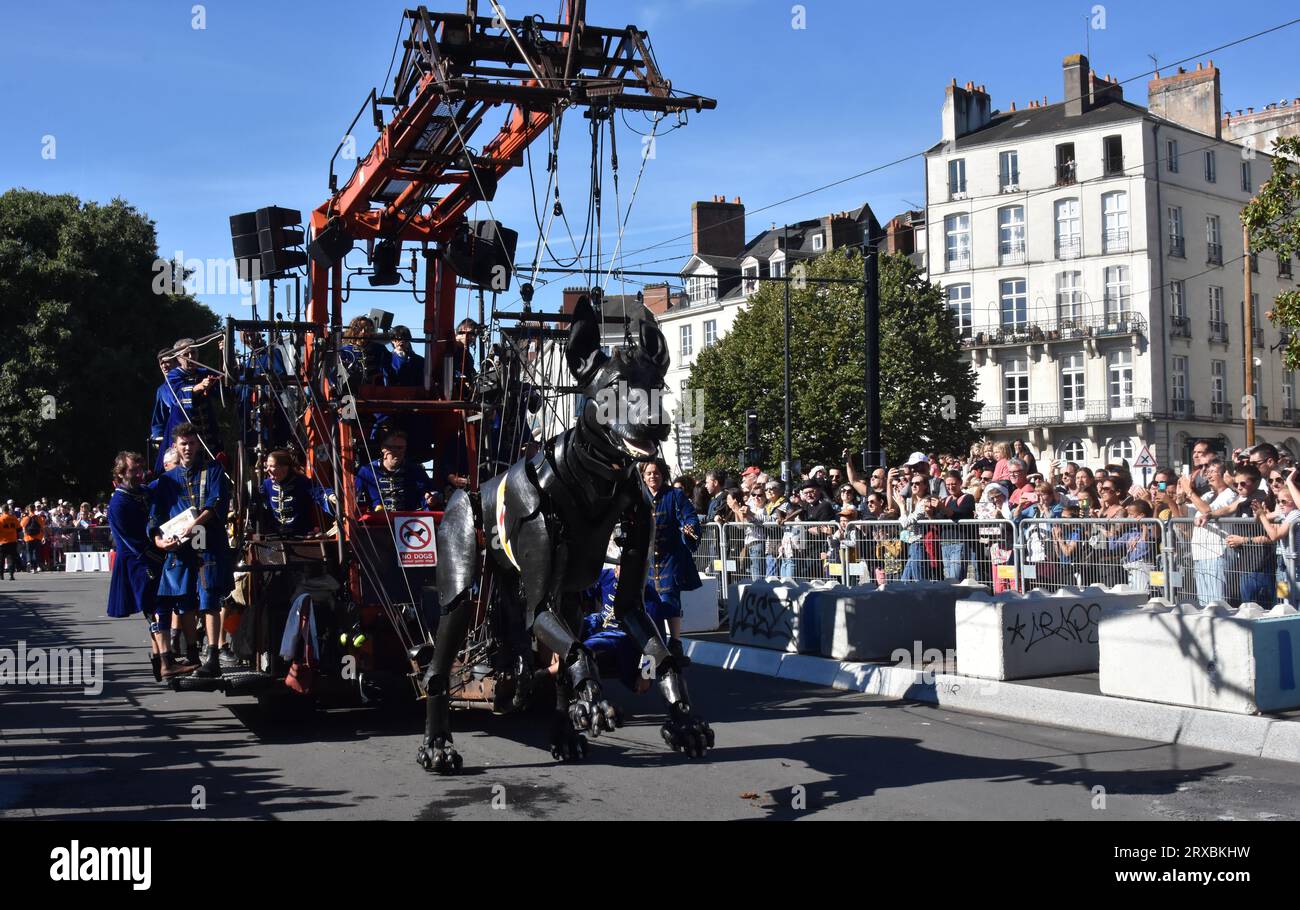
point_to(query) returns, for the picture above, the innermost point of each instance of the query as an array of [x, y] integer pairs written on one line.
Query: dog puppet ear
[[654, 345], [583, 352]]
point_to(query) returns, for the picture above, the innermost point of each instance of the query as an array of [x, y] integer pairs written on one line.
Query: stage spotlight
[[384, 260]]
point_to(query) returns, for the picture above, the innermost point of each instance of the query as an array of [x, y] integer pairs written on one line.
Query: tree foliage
[[82, 330], [1273, 220], [926, 388]]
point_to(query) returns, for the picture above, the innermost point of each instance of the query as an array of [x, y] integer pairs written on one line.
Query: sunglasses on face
[[1107, 489], [1275, 480]]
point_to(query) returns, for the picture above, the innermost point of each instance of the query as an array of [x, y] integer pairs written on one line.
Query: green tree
[[83, 326], [926, 388], [1273, 220]]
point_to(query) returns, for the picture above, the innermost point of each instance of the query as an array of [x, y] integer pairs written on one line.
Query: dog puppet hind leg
[[580, 705]]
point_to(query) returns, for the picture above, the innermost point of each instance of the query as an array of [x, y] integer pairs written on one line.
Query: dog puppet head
[[623, 393]]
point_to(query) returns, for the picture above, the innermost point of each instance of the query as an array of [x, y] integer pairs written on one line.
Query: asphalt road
[[784, 750]]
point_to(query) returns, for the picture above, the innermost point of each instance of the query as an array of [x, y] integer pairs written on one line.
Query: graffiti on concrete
[[764, 615], [1075, 624]]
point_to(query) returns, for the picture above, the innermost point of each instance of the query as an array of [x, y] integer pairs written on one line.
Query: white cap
[[916, 458]]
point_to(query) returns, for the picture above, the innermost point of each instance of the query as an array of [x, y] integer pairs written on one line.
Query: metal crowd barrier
[[1054, 553], [1166, 559]]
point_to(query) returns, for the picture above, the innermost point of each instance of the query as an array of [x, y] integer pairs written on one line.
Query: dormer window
[[818, 242], [751, 278], [777, 268]]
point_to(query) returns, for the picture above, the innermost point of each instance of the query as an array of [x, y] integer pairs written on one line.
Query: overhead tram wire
[[921, 153]]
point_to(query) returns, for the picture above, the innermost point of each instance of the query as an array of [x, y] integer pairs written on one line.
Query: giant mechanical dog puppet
[[548, 521]]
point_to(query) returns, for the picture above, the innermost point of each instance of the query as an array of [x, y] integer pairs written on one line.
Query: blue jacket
[[674, 566], [404, 371], [288, 506], [130, 589], [174, 404], [397, 491], [207, 573]]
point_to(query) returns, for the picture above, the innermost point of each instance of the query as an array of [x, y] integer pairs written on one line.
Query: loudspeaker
[[483, 253], [330, 245]]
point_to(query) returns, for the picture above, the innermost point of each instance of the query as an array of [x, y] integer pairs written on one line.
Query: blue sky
[[192, 125]]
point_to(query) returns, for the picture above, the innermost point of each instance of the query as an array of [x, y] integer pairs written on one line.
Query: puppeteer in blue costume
[[392, 482], [195, 578], [287, 505], [177, 402], [131, 590], [608, 640]]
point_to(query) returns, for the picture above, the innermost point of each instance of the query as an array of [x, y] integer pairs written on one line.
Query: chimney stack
[[718, 227], [1190, 99], [965, 110], [1077, 96]]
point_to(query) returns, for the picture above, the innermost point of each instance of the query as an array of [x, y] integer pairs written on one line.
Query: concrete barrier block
[[772, 614], [1042, 633], [100, 563], [1244, 661], [700, 607], [867, 622], [72, 562]]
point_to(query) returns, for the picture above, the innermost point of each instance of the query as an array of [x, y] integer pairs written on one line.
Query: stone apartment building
[[1091, 251]]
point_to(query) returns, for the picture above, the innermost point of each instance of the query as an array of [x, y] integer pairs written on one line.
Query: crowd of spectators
[[1075, 524], [42, 532]]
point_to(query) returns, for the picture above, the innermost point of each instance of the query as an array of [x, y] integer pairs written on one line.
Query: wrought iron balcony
[[1214, 254], [1178, 247], [1257, 337], [1050, 414], [1219, 331], [1219, 410], [1182, 407], [1052, 330], [1069, 248], [1284, 268], [1012, 253], [1114, 241], [958, 260], [1180, 327]]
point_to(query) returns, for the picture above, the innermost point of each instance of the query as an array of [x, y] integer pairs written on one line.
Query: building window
[[687, 347], [1011, 234], [1219, 388], [702, 289], [1247, 185], [1015, 386], [1117, 297], [957, 230], [1213, 241], [1072, 389], [1008, 171], [1288, 394], [710, 332], [751, 279], [777, 268], [1120, 450], [1114, 212], [1015, 306], [1218, 327], [1177, 243], [1211, 167], [1284, 267], [1178, 386], [959, 306], [1065, 164], [818, 242], [1113, 150], [1069, 298], [1068, 242], [1178, 299], [1119, 369], [1171, 155], [957, 178], [1074, 450]]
